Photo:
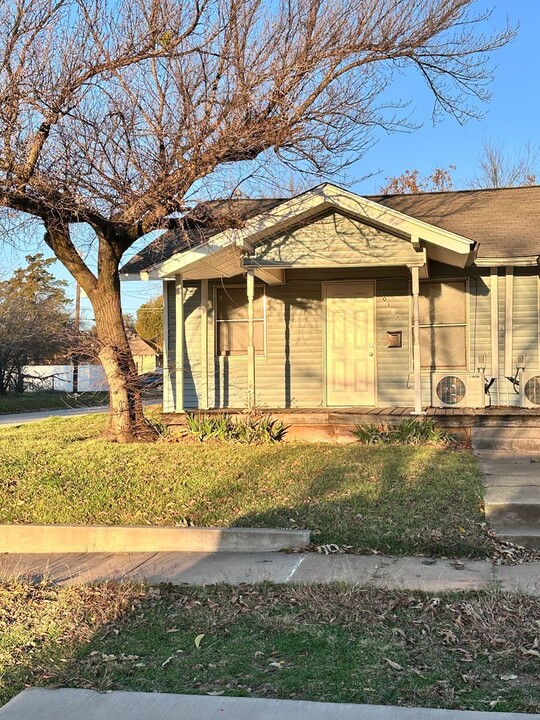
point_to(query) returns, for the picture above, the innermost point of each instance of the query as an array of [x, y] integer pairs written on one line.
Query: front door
[[350, 344]]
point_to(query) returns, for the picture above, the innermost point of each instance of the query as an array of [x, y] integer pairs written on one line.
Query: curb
[[143, 539]]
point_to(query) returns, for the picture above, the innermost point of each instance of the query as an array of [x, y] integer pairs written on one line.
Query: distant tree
[[410, 182], [149, 323], [34, 320], [498, 168]]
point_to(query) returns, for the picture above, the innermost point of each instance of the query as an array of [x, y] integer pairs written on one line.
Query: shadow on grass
[[393, 499]]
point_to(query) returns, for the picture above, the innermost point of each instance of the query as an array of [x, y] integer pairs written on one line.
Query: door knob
[[370, 354]]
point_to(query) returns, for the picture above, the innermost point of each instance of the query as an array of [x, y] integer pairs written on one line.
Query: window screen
[[232, 321], [443, 325]]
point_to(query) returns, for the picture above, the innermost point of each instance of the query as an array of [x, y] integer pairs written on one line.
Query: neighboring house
[[144, 355], [330, 299]]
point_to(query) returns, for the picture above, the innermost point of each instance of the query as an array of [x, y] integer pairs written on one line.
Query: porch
[[336, 424]]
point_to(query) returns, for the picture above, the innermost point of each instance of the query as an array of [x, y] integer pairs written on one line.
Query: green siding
[[333, 240], [525, 339], [291, 374]]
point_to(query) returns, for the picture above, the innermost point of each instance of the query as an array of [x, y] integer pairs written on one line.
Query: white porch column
[[168, 399], [251, 340], [204, 345], [179, 345], [415, 272]]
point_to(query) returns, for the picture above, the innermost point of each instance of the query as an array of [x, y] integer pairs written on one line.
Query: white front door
[[350, 344]]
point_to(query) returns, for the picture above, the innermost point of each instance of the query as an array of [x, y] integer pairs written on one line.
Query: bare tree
[[112, 114], [498, 168]]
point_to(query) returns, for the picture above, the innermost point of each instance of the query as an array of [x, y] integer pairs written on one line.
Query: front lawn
[[393, 499], [474, 651], [35, 401]]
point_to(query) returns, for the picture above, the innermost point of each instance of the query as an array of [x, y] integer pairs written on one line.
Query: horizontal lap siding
[[290, 374], [394, 377], [334, 240], [525, 336]]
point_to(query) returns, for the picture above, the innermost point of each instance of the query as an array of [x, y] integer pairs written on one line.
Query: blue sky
[[511, 119]]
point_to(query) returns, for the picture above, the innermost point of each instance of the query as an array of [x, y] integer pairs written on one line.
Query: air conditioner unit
[[529, 389], [457, 389]]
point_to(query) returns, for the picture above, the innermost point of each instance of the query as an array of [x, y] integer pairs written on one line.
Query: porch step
[[506, 437], [528, 537], [513, 507]]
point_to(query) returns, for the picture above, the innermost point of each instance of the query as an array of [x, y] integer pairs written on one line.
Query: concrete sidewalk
[[190, 568], [92, 705]]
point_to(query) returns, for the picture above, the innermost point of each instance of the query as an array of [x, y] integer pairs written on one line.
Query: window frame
[[466, 325], [235, 286]]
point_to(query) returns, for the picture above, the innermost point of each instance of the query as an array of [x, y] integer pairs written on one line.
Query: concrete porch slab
[[91, 705]]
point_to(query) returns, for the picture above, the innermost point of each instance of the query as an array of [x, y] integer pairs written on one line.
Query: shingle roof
[[212, 218], [141, 347], [504, 221]]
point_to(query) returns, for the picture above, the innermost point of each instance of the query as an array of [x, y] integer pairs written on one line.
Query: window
[[232, 321], [443, 325]]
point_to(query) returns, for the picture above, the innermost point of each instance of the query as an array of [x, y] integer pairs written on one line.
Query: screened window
[[443, 325], [232, 321]]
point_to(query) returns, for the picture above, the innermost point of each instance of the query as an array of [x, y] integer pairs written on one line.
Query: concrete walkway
[[512, 493], [92, 705], [411, 573]]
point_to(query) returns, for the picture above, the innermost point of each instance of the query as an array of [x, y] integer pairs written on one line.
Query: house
[[144, 355], [333, 300]]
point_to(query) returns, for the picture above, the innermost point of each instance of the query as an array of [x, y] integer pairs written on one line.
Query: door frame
[[324, 295]]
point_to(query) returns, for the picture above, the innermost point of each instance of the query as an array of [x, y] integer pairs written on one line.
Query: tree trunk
[[126, 421]]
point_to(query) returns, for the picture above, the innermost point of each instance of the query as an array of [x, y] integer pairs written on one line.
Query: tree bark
[[126, 420]]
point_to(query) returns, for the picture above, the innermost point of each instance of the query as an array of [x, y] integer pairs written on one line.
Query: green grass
[[393, 499], [464, 651], [32, 402]]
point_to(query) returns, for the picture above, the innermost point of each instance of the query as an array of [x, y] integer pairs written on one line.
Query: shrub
[[248, 429], [409, 432]]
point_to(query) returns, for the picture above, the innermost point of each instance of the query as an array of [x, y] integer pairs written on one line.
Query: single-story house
[[330, 299], [145, 356]]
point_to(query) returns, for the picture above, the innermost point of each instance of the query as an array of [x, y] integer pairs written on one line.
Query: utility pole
[[76, 327]]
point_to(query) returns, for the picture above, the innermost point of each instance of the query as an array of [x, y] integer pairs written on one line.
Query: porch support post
[[509, 322], [204, 344], [168, 399], [494, 298], [251, 340], [179, 349], [415, 273]]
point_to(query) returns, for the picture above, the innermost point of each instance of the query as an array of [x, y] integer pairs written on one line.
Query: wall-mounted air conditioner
[[458, 389], [529, 389]]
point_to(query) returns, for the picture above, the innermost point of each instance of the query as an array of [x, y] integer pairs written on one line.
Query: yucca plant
[[409, 432], [248, 429]]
